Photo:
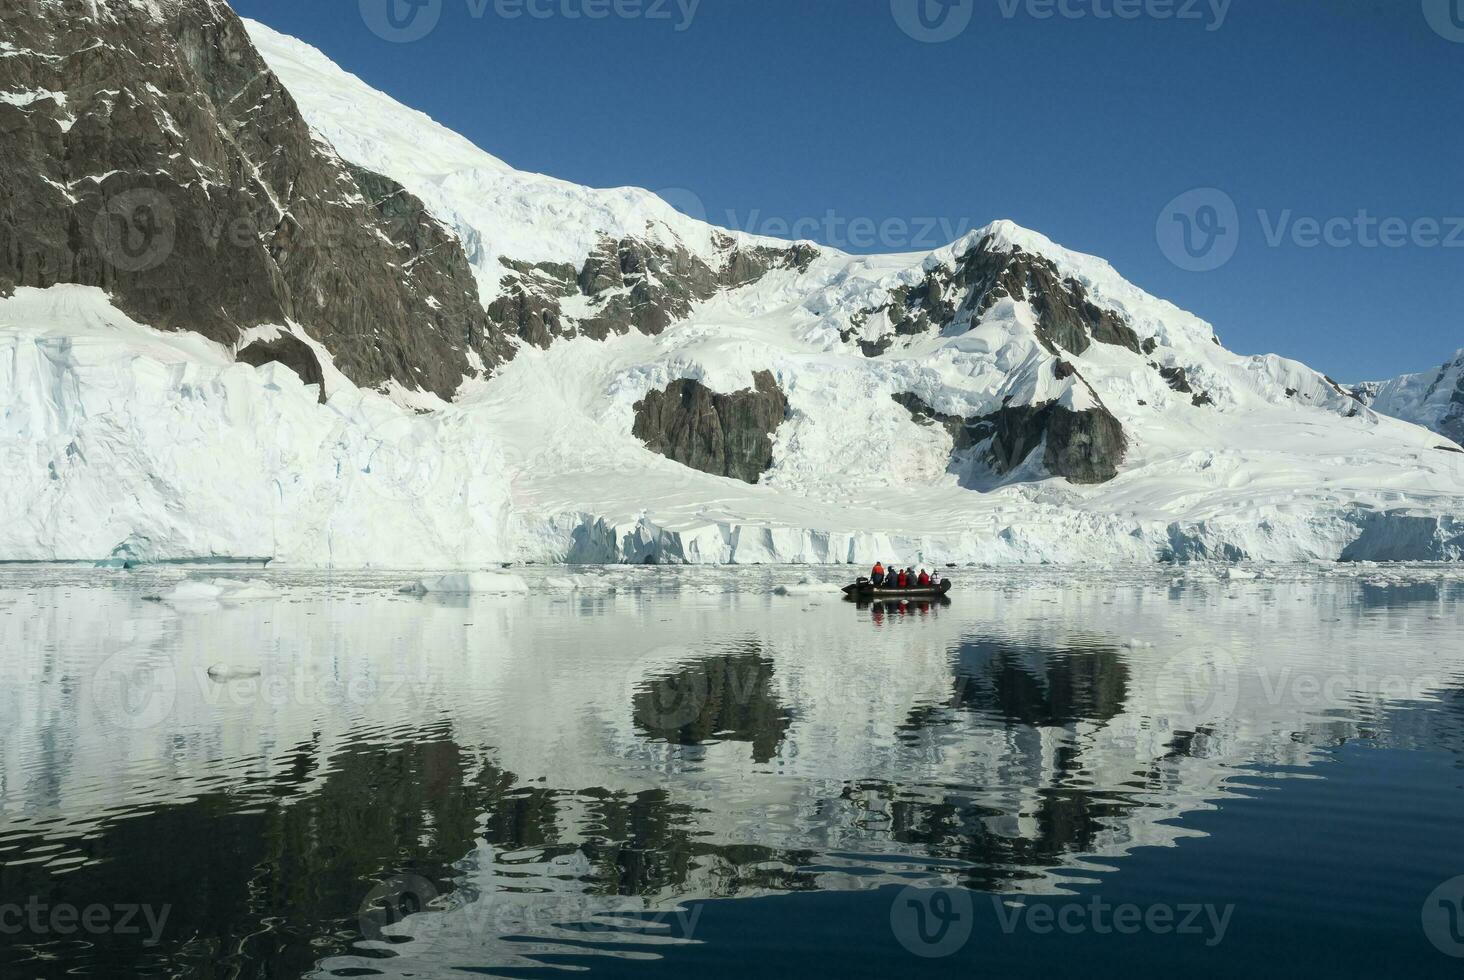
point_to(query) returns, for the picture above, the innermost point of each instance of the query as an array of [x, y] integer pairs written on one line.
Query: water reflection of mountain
[[561, 762], [1027, 685], [721, 698]]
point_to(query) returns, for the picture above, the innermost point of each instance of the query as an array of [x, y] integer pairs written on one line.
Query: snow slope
[[1434, 399], [496, 210], [118, 436]]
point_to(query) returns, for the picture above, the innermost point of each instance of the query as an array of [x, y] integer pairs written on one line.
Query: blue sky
[[1306, 156]]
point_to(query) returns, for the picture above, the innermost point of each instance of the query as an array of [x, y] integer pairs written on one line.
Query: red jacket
[[878, 568], [924, 579], [904, 581]]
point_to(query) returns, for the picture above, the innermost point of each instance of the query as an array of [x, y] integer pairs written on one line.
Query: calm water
[[669, 773]]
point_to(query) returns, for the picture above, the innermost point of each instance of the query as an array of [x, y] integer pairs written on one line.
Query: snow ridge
[[1434, 399]]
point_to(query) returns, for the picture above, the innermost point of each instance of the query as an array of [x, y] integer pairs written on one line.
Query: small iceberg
[[473, 583], [222, 673], [577, 583], [808, 588], [197, 592]]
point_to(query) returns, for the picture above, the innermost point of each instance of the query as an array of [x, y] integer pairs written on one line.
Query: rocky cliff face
[[1083, 447], [628, 284], [1068, 320], [148, 150], [725, 435]]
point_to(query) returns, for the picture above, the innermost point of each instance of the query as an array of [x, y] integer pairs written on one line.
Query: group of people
[[905, 578]]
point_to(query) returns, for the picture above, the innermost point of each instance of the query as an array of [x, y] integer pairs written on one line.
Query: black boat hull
[[867, 591]]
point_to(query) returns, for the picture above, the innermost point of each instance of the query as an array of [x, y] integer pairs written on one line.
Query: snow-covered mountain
[[515, 367], [1434, 399]]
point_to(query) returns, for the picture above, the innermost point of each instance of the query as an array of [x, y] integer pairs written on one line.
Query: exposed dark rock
[[744, 266], [1177, 379], [985, 275], [1083, 447], [529, 304], [725, 435], [292, 352], [875, 348], [631, 285], [434, 266], [530, 314], [180, 177]]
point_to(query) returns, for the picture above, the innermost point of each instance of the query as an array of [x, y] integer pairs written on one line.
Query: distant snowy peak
[[1434, 399]]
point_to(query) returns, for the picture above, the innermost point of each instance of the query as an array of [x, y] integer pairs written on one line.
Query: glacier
[[122, 441]]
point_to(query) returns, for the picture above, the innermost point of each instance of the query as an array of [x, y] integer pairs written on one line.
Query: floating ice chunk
[[223, 673], [472, 583], [807, 589], [235, 591], [193, 592]]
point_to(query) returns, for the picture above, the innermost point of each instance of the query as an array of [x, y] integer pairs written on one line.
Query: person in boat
[[902, 581], [924, 580], [877, 576]]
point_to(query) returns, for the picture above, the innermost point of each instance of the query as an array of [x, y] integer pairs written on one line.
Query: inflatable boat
[[865, 589]]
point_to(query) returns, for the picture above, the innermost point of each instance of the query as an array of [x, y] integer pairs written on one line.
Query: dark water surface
[[661, 773]]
